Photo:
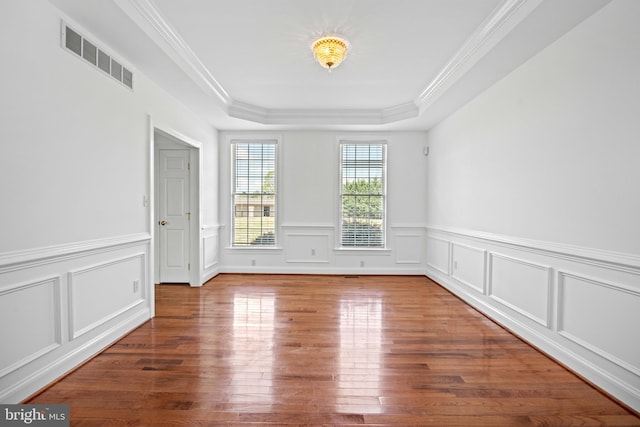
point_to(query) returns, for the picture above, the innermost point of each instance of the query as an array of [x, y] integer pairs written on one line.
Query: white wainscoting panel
[[30, 314], [313, 248], [590, 309], [438, 252], [210, 235], [307, 247], [210, 251], [520, 285], [469, 266], [99, 293], [581, 306], [61, 305], [409, 248]]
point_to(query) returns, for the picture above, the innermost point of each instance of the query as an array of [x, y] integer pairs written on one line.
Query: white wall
[[551, 152], [534, 205], [529, 196], [308, 188], [74, 167]]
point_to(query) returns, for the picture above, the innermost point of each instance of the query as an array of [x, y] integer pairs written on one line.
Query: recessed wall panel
[[601, 317], [438, 254], [307, 247], [210, 251], [101, 292], [468, 266], [522, 286], [30, 315], [409, 249]]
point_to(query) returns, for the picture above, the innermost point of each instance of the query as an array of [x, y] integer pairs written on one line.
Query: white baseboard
[[57, 368], [414, 271], [78, 298], [580, 306]]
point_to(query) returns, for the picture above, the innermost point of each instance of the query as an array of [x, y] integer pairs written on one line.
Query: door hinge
[[188, 166], [188, 216], [189, 266]]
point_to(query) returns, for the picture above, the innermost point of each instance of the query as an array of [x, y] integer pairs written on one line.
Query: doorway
[[176, 206]]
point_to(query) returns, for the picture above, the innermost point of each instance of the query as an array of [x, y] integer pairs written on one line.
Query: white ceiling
[[247, 64]]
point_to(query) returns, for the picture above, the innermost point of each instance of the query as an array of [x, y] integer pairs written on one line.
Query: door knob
[[163, 222]]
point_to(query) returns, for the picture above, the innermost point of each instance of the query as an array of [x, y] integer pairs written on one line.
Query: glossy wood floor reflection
[[325, 350]]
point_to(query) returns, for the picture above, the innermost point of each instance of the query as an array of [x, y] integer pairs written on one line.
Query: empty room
[[286, 212]]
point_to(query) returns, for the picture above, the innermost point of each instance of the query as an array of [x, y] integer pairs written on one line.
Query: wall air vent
[[90, 52]]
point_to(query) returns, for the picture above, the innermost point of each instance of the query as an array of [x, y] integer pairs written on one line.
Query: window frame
[[366, 140], [274, 211]]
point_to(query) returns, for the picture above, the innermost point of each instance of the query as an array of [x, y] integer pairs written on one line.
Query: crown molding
[[146, 15], [404, 111], [258, 114], [503, 19]]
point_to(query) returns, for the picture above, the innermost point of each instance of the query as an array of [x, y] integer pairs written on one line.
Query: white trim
[[504, 18], [622, 390], [18, 260], [288, 259], [210, 275], [69, 360], [209, 227], [151, 21], [362, 251], [266, 250], [308, 225], [195, 198], [560, 297], [361, 139], [542, 321], [606, 370], [598, 257], [495, 28], [306, 261], [318, 116], [408, 225], [315, 269], [55, 281], [483, 287], [71, 274], [275, 139], [214, 239], [420, 256], [433, 266]]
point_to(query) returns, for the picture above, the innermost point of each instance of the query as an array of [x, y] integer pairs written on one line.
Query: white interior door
[[174, 216]]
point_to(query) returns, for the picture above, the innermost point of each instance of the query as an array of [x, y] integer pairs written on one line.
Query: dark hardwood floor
[[325, 350]]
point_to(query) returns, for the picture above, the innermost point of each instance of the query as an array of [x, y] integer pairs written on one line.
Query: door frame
[[181, 141]]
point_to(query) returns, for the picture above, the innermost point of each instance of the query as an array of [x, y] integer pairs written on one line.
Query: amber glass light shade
[[330, 51]]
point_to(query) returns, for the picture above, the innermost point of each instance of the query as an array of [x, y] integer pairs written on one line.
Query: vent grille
[[76, 43]]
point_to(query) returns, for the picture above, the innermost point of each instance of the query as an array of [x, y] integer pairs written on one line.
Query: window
[[254, 193], [362, 194]]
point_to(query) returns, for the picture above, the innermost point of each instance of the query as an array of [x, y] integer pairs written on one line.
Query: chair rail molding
[[578, 305], [81, 297]]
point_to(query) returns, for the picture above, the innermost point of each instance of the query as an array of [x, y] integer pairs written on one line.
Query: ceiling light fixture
[[330, 51]]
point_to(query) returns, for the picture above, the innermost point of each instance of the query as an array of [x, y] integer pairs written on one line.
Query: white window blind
[[362, 194], [254, 193]]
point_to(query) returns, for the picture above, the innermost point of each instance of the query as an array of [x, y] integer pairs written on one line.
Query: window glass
[[362, 194], [254, 193]]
